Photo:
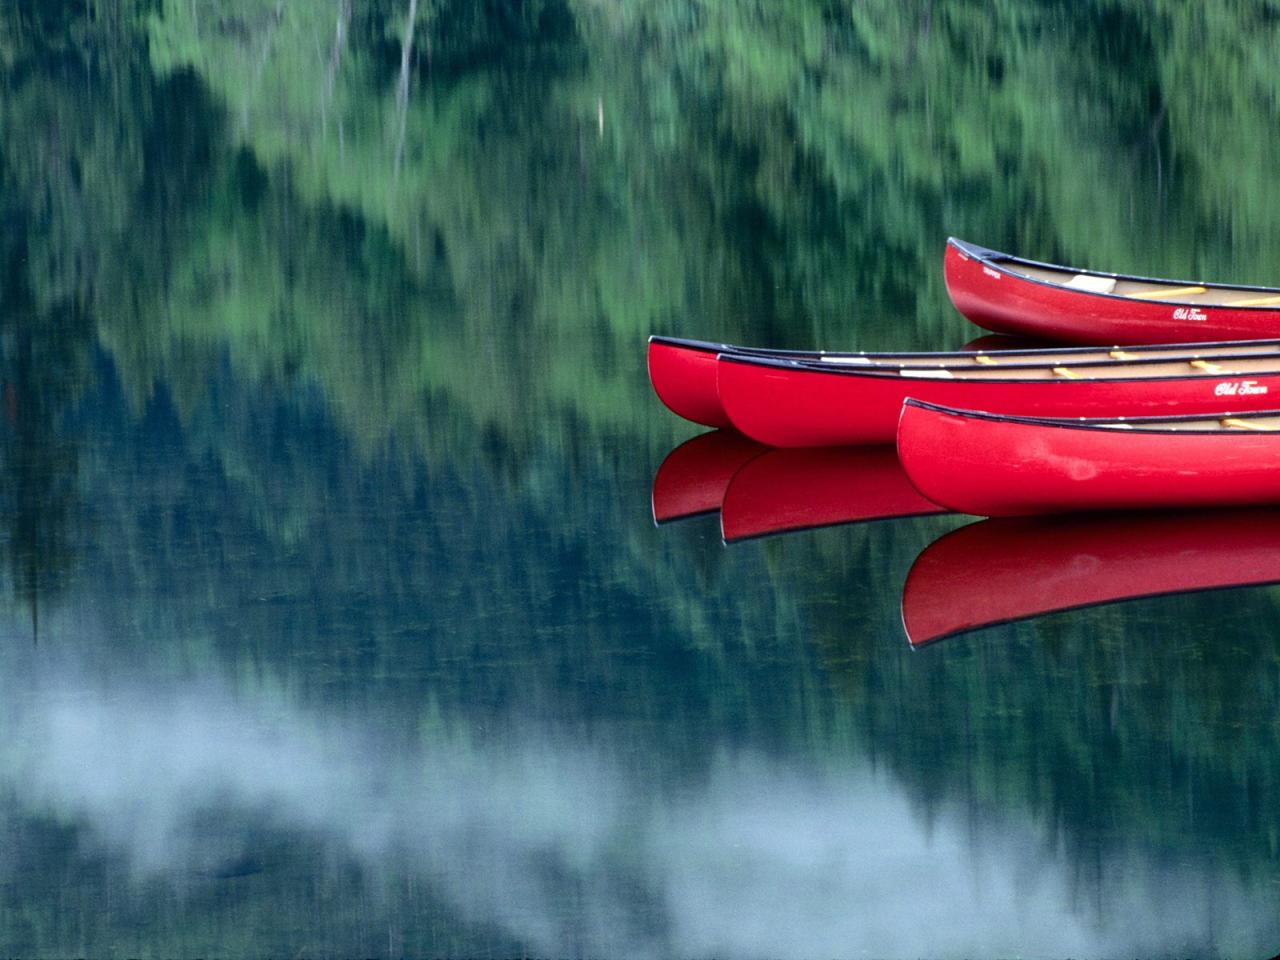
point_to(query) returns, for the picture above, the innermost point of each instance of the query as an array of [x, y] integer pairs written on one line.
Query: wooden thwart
[[1206, 366], [1254, 302], [1166, 293], [1239, 424], [1066, 374]]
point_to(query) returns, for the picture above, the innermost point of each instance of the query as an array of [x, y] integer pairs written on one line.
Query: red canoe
[[789, 404], [1012, 295], [787, 490], [996, 571], [693, 477], [684, 373], [998, 465]]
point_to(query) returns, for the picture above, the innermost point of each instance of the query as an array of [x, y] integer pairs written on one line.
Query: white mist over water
[[763, 856]]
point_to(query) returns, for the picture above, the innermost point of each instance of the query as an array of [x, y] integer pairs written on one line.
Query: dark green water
[[333, 620]]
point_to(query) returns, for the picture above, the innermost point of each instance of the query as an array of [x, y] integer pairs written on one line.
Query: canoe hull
[[988, 466], [684, 378], [792, 405], [683, 372], [1003, 301]]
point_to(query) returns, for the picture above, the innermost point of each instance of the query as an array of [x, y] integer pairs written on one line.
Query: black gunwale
[[801, 356], [890, 374], [1102, 424]]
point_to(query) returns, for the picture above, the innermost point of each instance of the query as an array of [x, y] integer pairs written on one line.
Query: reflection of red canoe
[[798, 489], [789, 404], [995, 571], [693, 477], [684, 372], [1001, 466], [1024, 297]]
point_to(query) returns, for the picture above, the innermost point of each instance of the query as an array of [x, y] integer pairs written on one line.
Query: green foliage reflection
[[373, 280]]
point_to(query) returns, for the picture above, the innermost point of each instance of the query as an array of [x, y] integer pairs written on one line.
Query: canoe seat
[[1166, 293], [1087, 281], [1254, 302], [984, 361], [1122, 355], [1066, 374], [1239, 424], [1206, 366], [925, 374]]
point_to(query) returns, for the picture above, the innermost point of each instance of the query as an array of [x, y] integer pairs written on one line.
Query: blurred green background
[[334, 618]]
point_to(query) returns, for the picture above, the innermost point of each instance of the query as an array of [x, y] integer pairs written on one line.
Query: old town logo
[[1239, 388]]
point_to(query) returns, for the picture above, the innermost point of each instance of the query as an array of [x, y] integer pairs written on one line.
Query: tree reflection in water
[[327, 449]]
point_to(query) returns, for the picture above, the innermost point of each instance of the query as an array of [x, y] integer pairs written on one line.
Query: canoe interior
[[996, 358], [1236, 365], [1243, 423], [1073, 356], [1171, 291], [1264, 421]]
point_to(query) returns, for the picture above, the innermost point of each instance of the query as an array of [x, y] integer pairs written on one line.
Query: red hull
[[693, 477], [683, 372], [999, 466], [996, 571], [684, 379], [787, 490], [987, 288], [792, 405]]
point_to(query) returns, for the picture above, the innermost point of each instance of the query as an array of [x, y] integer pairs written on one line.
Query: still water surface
[[334, 617]]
